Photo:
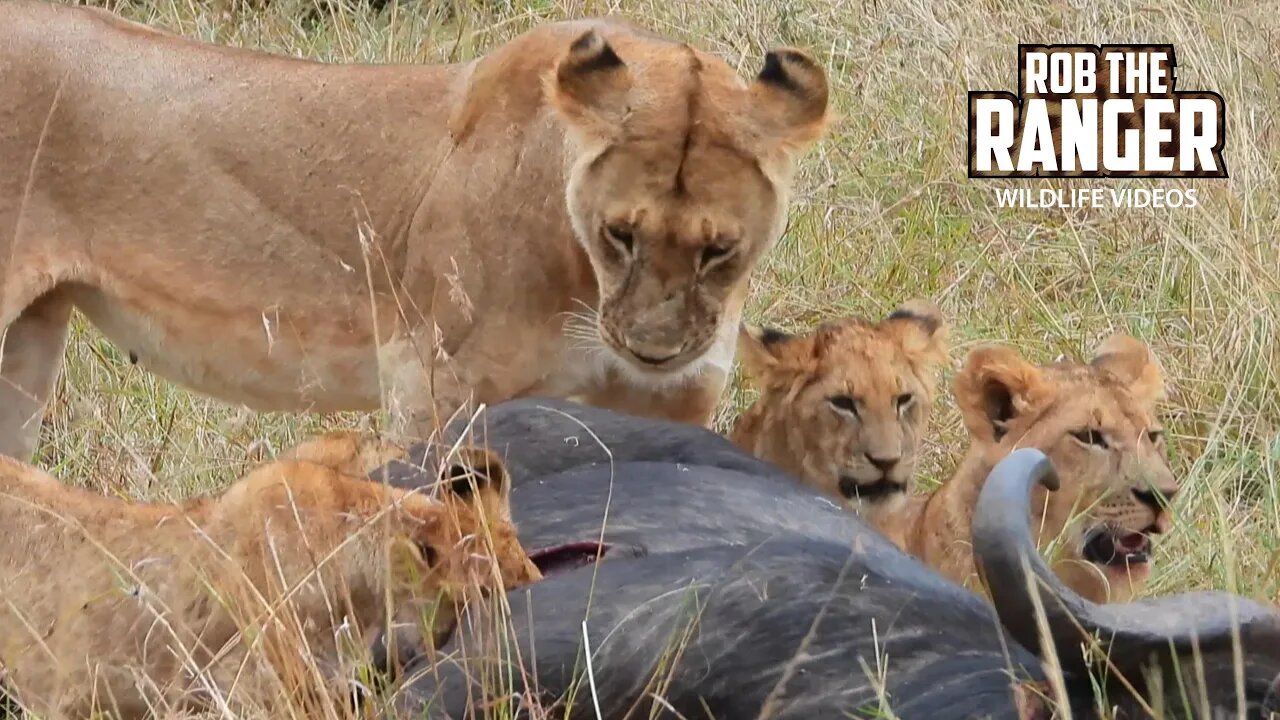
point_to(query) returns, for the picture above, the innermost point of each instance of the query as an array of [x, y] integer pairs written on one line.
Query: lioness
[[845, 407], [130, 607], [574, 214], [1096, 423]]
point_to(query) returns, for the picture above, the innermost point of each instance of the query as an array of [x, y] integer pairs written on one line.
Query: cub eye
[[429, 554], [844, 404], [622, 236], [1155, 436], [712, 253], [1090, 437], [904, 401]]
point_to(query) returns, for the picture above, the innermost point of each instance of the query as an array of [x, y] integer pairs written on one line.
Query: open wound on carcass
[[568, 556]]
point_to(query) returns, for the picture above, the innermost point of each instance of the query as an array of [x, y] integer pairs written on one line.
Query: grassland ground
[[883, 211]]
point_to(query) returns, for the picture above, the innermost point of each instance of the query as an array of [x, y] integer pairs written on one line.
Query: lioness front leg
[[420, 393], [30, 358]]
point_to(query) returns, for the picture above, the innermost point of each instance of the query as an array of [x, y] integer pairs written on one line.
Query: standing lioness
[[574, 214]]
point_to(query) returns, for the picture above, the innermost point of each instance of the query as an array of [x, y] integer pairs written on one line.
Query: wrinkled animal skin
[[730, 590]]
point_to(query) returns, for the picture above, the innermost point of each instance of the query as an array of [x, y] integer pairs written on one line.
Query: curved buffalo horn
[[1129, 634]]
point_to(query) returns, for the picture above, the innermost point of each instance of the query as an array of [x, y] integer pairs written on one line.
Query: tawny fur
[[888, 369], [118, 604], [1119, 478], [349, 452], [301, 236]]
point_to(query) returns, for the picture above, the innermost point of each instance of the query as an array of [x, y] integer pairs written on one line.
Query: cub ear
[[922, 331], [790, 98], [475, 474], [995, 386], [1133, 363], [768, 353], [589, 87]]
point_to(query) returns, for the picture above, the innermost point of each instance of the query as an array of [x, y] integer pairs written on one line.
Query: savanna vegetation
[[883, 211]]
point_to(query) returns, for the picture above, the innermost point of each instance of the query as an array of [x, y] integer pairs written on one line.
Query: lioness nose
[[883, 464]]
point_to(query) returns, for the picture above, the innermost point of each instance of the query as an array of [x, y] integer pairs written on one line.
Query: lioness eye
[[844, 404], [1155, 436], [712, 253], [904, 401], [621, 236], [1090, 437]]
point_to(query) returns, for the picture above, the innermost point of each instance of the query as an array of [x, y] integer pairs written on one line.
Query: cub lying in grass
[[129, 608]]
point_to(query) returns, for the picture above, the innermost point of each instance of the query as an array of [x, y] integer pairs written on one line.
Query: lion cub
[[1096, 422], [845, 407], [127, 607]]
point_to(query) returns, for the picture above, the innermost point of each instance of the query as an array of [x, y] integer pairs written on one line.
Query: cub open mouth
[[883, 488], [568, 556], [1109, 546]]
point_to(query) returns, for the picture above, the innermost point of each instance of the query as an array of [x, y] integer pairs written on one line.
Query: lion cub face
[[1096, 422], [460, 536], [680, 184], [845, 407]]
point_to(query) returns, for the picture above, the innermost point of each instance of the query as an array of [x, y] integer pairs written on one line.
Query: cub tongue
[[1130, 543]]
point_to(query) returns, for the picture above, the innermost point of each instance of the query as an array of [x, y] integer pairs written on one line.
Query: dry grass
[[884, 211]]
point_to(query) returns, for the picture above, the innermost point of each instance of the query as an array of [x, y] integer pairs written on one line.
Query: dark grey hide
[[729, 590], [537, 437]]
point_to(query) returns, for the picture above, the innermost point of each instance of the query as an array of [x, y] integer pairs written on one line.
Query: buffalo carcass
[[728, 590]]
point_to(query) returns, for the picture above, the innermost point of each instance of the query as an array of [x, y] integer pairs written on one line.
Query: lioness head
[[845, 407], [679, 184], [1096, 423]]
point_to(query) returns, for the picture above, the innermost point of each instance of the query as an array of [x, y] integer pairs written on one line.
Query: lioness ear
[[922, 331], [589, 87], [477, 475], [790, 98], [1133, 363], [995, 386]]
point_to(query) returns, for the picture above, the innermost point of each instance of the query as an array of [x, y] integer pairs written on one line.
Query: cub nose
[[1154, 497], [883, 464]]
